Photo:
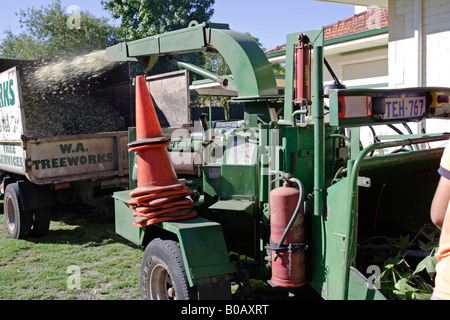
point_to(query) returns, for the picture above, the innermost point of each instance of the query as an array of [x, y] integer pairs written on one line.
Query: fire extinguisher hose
[[294, 216]]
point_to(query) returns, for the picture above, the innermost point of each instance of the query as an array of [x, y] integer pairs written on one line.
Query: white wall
[[435, 46], [404, 59], [436, 27], [365, 68]]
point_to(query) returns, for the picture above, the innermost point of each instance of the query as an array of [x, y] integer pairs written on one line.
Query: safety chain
[[290, 259]]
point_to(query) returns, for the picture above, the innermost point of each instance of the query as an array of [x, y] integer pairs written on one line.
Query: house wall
[[358, 56], [364, 68], [430, 32], [434, 45]]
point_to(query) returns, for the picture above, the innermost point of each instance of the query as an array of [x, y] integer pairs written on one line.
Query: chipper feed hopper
[[293, 190]]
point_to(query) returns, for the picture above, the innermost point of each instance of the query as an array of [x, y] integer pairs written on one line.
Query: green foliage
[[47, 35], [279, 69], [399, 281], [150, 17], [399, 278], [140, 19], [37, 269], [22, 46]]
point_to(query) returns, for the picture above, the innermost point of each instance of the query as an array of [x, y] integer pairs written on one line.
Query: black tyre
[[163, 276], [18, 220], [40, 224]]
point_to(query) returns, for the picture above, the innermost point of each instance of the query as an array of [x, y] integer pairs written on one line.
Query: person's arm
[[440, 202]]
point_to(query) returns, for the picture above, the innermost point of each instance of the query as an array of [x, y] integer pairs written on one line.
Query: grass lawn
[[81, 258]]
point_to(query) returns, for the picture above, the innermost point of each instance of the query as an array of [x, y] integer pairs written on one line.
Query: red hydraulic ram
[[303, 71]]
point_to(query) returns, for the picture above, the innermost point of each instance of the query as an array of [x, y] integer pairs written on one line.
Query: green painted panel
[[124, 219], [239, 180], [233, 205], [330, 236], [248, 63], [118, 52], [360, 289], [197, 236], [176, 41], [144, 47], [203, 246], [132, 160], [168, 43]]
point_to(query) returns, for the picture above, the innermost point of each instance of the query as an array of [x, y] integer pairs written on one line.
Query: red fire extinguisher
[[287, 235]]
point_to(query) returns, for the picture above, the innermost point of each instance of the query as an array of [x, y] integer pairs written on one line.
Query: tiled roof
[[368, 20], [276, 49]]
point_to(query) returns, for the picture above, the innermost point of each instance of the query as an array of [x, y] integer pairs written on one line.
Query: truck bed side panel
[[79, 157], [11, 123]]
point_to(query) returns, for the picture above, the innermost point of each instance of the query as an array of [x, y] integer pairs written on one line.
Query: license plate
[[404, 105]]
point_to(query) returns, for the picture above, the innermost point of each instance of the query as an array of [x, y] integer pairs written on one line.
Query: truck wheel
[[18, 220], [40, 222], [163, 276]]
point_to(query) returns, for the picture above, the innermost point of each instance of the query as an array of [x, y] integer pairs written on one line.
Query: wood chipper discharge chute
[[292, 188]]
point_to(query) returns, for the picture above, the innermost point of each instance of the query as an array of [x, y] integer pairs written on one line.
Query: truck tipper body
[[38, 171]]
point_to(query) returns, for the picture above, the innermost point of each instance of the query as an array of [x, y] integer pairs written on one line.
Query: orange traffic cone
[[156, 177], [155, 170]]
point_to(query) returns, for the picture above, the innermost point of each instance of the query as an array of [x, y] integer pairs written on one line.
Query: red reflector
[[354, 107], [60, 186], [443, 99]]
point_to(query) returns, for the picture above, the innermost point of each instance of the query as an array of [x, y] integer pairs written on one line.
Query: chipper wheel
[[163, 276], [18, 220]]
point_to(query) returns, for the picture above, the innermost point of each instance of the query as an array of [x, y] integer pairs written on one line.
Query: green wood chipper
[[288, 195]]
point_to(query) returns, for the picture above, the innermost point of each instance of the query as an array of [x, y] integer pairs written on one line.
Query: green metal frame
[[352, 197], [255, 83], [316, 38], [334, 206], [311, 152], [195, 236], [334, 235]]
